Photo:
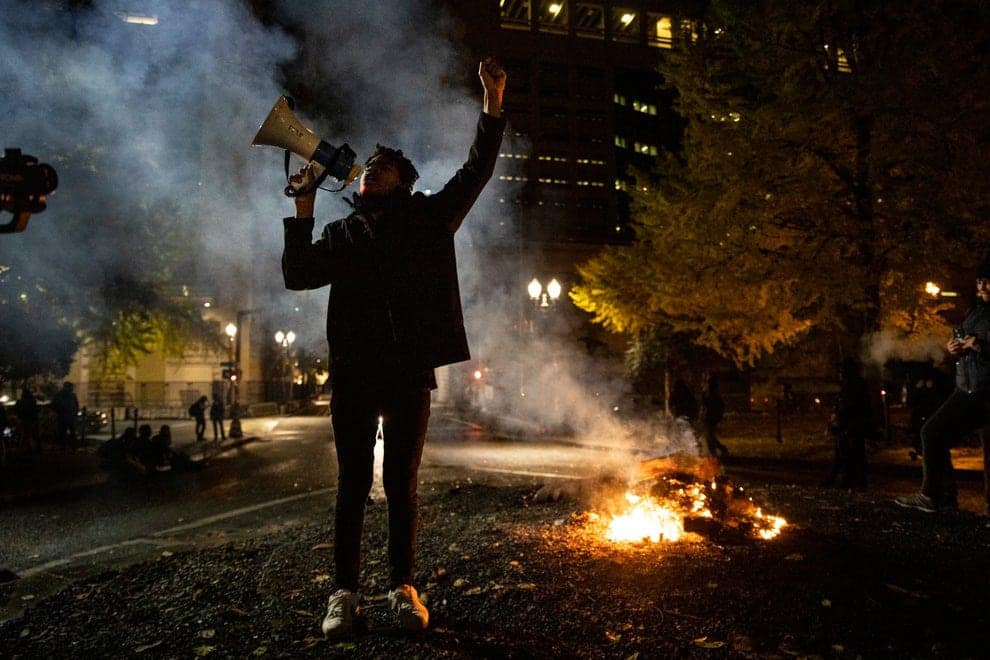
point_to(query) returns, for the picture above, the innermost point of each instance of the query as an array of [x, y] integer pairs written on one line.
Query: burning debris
[[671, 499], [671, 509]]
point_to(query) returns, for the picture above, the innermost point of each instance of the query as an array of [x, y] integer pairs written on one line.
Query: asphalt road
[[284, 478]]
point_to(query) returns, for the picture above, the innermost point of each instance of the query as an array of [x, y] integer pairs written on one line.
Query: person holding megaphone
[[394, 315]]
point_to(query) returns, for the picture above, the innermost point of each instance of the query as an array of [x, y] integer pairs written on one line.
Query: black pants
[[961, 414], [218, 429], [406, 414]]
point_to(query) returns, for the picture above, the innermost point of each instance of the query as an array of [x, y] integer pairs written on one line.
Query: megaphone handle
[[309, 183]]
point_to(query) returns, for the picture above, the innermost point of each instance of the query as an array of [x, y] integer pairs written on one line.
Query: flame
[[645, 519]]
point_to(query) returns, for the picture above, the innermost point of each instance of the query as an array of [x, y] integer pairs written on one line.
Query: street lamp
[[233, 390], [544, 297], [285, 339], [231, 331]]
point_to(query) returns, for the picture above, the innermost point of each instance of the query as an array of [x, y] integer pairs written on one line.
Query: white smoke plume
[[169, 111]]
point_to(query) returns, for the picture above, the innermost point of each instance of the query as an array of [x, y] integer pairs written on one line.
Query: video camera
[[24, 183]]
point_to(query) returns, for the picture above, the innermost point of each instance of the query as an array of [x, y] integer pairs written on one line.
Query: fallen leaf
[[322, 546], [25, 633], [526, 585], [301, 612], [148, 647], [514, 563], [742, 643], [459, 582], [797, 556], [238, 612], [320, 579], [826, 602], [166, 553], [838, 648], [634, 656], [713, 585], [209, 633], [705, 644], [312, 641], [27, 597], [203, 651], [612, 637], [261, 650], [473, 591]]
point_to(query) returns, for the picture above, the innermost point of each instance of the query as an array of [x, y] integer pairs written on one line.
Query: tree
[[831, 165], [33, 340]]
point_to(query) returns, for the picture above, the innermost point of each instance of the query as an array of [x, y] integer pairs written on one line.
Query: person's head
[[983, 280], [129, 432], [67, 386], [203, 399], [386, 171], [144, 431]]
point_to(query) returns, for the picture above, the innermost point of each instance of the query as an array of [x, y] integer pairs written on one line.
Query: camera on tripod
[[24, 183]]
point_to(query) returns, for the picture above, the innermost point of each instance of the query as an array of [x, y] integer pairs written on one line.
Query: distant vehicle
[[93, 422]]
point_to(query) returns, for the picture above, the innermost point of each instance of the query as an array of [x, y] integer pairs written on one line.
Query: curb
[[101, 477]]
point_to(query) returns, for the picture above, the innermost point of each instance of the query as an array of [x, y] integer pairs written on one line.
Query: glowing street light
[[627, 18], [932, 289], [544, 297], [555, 8], [285, 339]]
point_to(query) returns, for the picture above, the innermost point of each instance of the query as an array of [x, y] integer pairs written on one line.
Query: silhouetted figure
[[216, 416], [394, 315], [27, 413], [682, 402], [713, 411], [65, 405], [198, 412], [965, 411], [851, 422], [120, 454]]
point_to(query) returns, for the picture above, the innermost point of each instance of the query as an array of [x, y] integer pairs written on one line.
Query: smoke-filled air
[[156, 121]]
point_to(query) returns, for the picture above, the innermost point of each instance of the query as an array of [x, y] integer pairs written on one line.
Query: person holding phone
[[965, 411]]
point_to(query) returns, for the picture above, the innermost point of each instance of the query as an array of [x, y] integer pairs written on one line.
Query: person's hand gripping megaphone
[[304, 180]]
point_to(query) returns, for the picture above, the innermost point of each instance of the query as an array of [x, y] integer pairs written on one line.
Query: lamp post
[[544, 297], [234, 390], [231, 331], [285, 339]]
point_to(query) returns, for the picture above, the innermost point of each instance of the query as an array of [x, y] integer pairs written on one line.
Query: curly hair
[[407, 173]]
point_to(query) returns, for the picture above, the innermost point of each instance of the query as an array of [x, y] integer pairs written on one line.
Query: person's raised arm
[[305, 264], [493, 79]]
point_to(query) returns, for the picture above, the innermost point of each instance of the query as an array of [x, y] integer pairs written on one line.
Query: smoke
[[881, 347], [149, 127]]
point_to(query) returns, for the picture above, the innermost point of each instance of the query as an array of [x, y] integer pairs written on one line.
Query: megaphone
[[281, 129]]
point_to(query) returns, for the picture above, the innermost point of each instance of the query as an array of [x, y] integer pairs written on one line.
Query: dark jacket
[[394, 298], [973, 367]]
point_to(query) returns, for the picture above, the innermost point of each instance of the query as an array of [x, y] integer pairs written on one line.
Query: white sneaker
[[404, 601], [342, 609]]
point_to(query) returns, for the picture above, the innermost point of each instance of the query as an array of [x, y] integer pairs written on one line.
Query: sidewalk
[[57, 470]]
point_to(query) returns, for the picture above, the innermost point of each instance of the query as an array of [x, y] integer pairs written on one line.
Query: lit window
[[589, 20], [619, 99], [621, 141], [843, 63], [515, 14], [625, 24], [660, 31], [552, 16]]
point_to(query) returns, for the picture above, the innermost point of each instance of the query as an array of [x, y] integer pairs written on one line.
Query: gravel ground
[[506, 576]]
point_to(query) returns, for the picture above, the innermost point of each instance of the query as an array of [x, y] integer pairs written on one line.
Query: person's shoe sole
[[917, 507]]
